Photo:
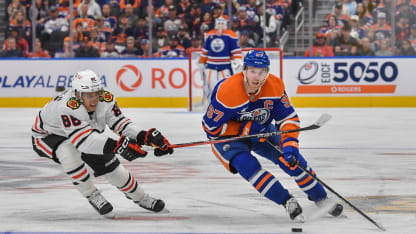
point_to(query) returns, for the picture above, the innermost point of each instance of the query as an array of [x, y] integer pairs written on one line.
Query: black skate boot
[[294, 209], [152, 204], [335, 210], [100, 204]]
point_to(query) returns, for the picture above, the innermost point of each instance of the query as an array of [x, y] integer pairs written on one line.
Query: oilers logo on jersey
[[260, 115], [217, 45]]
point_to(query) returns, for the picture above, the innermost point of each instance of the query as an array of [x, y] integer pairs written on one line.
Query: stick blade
[[323, 119]]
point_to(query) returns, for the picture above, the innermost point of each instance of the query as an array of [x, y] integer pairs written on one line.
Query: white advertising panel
[[350, 76], [126, 77]]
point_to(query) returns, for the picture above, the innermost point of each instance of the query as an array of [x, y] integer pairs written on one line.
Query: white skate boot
[[152, 204], [100, 204]]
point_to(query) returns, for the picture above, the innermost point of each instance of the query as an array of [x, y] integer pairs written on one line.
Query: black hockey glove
[[154, 138], [128, 149]]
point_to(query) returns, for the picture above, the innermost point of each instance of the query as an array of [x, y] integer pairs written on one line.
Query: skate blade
[[299, 219]]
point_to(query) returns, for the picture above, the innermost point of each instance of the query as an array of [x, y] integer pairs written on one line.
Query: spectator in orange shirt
[[382, 27], [39, 51], [319, 48]]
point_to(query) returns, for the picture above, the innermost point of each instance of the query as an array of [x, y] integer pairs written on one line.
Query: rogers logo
[[128, 85], [307, 73]]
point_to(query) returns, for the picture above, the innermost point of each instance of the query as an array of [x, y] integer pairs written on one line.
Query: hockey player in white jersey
[[221, 56], [70, 131]]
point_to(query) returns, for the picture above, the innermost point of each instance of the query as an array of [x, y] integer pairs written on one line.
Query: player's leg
[[109, 166], [314, 190], [75, 168], [237, 158]]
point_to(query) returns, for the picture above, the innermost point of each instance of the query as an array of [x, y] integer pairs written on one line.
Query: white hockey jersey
[[66, 116]]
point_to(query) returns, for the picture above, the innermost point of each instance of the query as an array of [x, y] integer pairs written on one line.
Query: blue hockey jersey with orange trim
[[219, 50], [231, 106]]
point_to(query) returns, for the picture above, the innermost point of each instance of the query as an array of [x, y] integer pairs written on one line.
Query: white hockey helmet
[[86, 81], [221, 23]]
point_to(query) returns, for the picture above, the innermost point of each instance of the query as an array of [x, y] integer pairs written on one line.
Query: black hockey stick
[[332, 190], [321, 121]]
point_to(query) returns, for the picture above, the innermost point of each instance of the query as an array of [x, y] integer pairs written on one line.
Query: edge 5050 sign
[[346, 76]]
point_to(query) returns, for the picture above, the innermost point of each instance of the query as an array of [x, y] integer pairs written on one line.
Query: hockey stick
[[321, 121], [332, 190]]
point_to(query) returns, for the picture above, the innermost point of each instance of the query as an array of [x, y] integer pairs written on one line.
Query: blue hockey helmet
[[256, 58]]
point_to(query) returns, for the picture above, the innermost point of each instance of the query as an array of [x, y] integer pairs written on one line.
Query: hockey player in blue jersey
[[221, 55], [254, 101]]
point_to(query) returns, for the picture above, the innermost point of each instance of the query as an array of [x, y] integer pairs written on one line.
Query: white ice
[[366, 155]]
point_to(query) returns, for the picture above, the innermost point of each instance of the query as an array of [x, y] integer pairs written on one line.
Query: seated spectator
[[183, 37], [110, 21], [86, 50], [183, 7], [94, 41], [193, 18], [342, 19], [382, 27], [130, 51], [87, 21], [331, 26], [65, 51], [12, 51], [242, 16], [144, 49], [385, 49], [245, 40], [64, 11], [196, 44], [253, 26], [269, 25], [141, 30], [133, 17], [352, 6], [207, 23], [319, 48], [207, 6], [110, 50], [346, 45], [54, 24], [22, 24], [235, 25], [162, 12], [402, 29], [132, 3], [172, 50], [40, 12], [412, 36], [357, 32], [93, 8], [374, 41], [366, 20], [172, 22], [122, 31], [14, 7], [364, 49], [104, 32], [19, 42], [218, 11], [77, 36], [406, 49], [39, 51], [161, 39]]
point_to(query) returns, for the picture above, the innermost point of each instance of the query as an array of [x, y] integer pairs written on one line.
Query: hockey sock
[[125, 182], [81, 179], [263, 181], [310, 186]]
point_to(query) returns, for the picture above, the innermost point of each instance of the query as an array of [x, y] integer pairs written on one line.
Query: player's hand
[[154, 138], [201, 67], [129, 149], [291, 152]]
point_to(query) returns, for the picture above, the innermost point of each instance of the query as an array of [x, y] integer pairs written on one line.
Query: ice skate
[[335, 209], [294, 209], [152, 204], [100, 204]]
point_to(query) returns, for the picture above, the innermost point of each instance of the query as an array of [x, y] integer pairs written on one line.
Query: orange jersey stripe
[[43, 147], [226, 165], [263, 181], [81, 174], [79, 135], [131, 185]]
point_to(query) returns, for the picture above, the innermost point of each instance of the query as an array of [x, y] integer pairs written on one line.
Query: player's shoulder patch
[[73, 103], [107, 97]]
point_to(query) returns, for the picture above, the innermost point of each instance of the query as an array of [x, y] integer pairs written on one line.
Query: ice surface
[[366, 155]]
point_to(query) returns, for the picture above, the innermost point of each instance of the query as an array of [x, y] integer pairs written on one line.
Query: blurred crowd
[[120, 28], [368, 28]]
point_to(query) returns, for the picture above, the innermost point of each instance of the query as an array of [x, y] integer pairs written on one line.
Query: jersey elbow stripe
[[81, 136], [116, 123], [44, 148]]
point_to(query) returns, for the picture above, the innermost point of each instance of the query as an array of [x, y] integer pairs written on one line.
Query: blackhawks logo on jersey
[[73, 103], [107, 96]]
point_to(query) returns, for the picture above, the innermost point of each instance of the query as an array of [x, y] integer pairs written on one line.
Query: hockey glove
[[154, 138], [291, 152], [128, 149]]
